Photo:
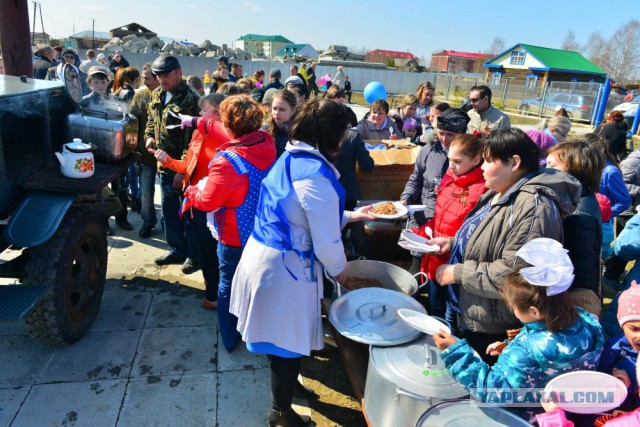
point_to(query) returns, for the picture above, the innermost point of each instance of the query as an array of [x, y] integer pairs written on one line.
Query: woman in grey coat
[[524, 203]]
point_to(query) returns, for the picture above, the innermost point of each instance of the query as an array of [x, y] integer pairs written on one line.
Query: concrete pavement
[[151, 358]]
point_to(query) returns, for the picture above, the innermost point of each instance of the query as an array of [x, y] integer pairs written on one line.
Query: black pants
[[284, 377], [615, 267], [207, 249], [480, 341], [119, 187]]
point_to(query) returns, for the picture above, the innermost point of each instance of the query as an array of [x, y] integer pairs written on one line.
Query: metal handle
[[383, 307], [427, 355], [401, 392]]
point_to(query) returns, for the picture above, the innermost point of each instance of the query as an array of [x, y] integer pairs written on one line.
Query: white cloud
[[91, 8], [252, 6]]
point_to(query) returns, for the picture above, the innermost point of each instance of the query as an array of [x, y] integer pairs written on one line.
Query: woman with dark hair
[[125, 84], [278, 285], [583, 228], [612, 186], [523, 203], [230, 194], [614, 133]]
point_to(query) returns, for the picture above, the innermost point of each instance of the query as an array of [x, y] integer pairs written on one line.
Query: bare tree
[[496, 46], [597, 50], [570, 42], [624, 52]]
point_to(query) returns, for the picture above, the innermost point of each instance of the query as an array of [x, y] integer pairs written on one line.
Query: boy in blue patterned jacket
[[556, 337]]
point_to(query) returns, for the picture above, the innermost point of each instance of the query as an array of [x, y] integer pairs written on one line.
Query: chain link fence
[[580, 99]]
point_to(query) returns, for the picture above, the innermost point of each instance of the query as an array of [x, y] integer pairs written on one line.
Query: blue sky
[[421, 27]]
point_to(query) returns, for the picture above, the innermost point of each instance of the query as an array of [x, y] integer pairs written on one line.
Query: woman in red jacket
[[458, 193], [230, 194], [205, 142]]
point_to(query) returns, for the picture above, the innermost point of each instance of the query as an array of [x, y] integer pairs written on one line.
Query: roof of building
[[134, 27], [88, 34], [392, 54], [291, 49], [557, 59], [262, 38], [455, 53]]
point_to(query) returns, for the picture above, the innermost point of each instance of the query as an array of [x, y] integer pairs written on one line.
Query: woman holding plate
[[523, 203], [278, 285]]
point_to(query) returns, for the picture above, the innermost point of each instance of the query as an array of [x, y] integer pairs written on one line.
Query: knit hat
[[275, 73], [68, 51], [629, 304], [542, 140], [410, 124], [266, 99], [100, 56], [294, 80]]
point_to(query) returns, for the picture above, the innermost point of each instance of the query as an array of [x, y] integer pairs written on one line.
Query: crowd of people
[[258, 180]]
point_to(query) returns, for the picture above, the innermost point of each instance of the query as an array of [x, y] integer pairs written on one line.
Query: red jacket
[[205, 142], [225, 188], [457, 195]]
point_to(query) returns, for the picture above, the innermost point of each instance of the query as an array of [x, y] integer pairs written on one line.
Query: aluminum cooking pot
[[114, 134], [404, 381], [462, 413], [389, 275]]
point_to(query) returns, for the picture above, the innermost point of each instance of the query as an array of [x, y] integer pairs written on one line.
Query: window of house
[[495, 78], [531, 81], [574, 79], [517, 57]]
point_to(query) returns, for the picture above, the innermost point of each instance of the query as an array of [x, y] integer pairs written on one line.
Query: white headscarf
[[550, 265]]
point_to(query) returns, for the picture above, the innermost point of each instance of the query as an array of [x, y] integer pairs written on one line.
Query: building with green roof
[[535, 65], [261, 45]]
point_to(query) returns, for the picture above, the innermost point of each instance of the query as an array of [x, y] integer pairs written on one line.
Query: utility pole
[[93, 34], [42, 25], [33, 33]]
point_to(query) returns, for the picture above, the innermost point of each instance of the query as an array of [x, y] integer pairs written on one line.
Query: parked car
[[578, 106], [630, 114], [625, 106]]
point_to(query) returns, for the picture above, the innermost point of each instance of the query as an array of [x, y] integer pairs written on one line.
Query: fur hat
[[629, 304]]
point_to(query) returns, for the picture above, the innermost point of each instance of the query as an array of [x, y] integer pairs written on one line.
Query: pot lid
[[369, 316], [417, 367], [77, 146], [463, 413], [72, 82]]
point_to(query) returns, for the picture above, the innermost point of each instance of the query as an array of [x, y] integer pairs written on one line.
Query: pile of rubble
[[137, 44]]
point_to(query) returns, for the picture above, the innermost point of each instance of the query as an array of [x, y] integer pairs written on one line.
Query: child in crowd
[[556, 337], [410, 130], [98, 81], [283, 110], [458, 193]]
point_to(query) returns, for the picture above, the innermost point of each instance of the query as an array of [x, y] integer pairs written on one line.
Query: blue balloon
[[374, 91]]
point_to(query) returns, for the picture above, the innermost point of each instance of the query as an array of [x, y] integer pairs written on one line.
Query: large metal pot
[[406, 380], [114, 134], [464, 413], [391, 276]]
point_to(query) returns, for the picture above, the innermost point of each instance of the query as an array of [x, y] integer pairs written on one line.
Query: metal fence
[[580, 99]]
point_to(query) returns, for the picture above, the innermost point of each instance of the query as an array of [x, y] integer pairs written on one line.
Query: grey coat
[[630, 168], [368, 130], [533, 207], [432, 162]]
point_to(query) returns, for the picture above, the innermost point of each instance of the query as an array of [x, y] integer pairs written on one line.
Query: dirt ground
[[337, 406]]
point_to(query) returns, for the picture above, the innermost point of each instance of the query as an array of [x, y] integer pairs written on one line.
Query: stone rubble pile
[[137, 44]]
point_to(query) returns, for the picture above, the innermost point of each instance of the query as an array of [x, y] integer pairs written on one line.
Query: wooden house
[[534, 65]]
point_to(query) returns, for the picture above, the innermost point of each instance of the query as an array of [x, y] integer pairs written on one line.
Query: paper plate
[[426, 249], [413, 237], [402, 211], [422, 322], [587, 392], [416, 208]]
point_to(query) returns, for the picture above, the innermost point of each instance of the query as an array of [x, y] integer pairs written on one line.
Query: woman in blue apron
[[277, 288]]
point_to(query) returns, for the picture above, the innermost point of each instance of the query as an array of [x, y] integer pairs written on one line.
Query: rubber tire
[[524, 110], [74, 263]]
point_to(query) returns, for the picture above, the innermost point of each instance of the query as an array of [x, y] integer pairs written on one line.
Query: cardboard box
[[392, 170]]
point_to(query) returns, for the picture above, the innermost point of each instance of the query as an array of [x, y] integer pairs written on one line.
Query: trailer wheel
[[74, 263]]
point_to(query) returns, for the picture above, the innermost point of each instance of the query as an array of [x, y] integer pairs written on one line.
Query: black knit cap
[[453, 120]]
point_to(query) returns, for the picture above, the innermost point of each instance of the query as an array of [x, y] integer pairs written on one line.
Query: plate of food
[[422, 322], [388, 210]]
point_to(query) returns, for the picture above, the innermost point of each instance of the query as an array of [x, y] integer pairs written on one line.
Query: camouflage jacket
[[174, 141], [139, 108]]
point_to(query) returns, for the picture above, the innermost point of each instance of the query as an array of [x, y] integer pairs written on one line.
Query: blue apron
[[271, 225], [245, 213]]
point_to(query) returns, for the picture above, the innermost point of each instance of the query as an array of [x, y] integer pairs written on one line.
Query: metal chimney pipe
[[14, 38]]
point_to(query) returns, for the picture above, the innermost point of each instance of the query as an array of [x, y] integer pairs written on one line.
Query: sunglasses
[[454, 122], [474, 100]]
